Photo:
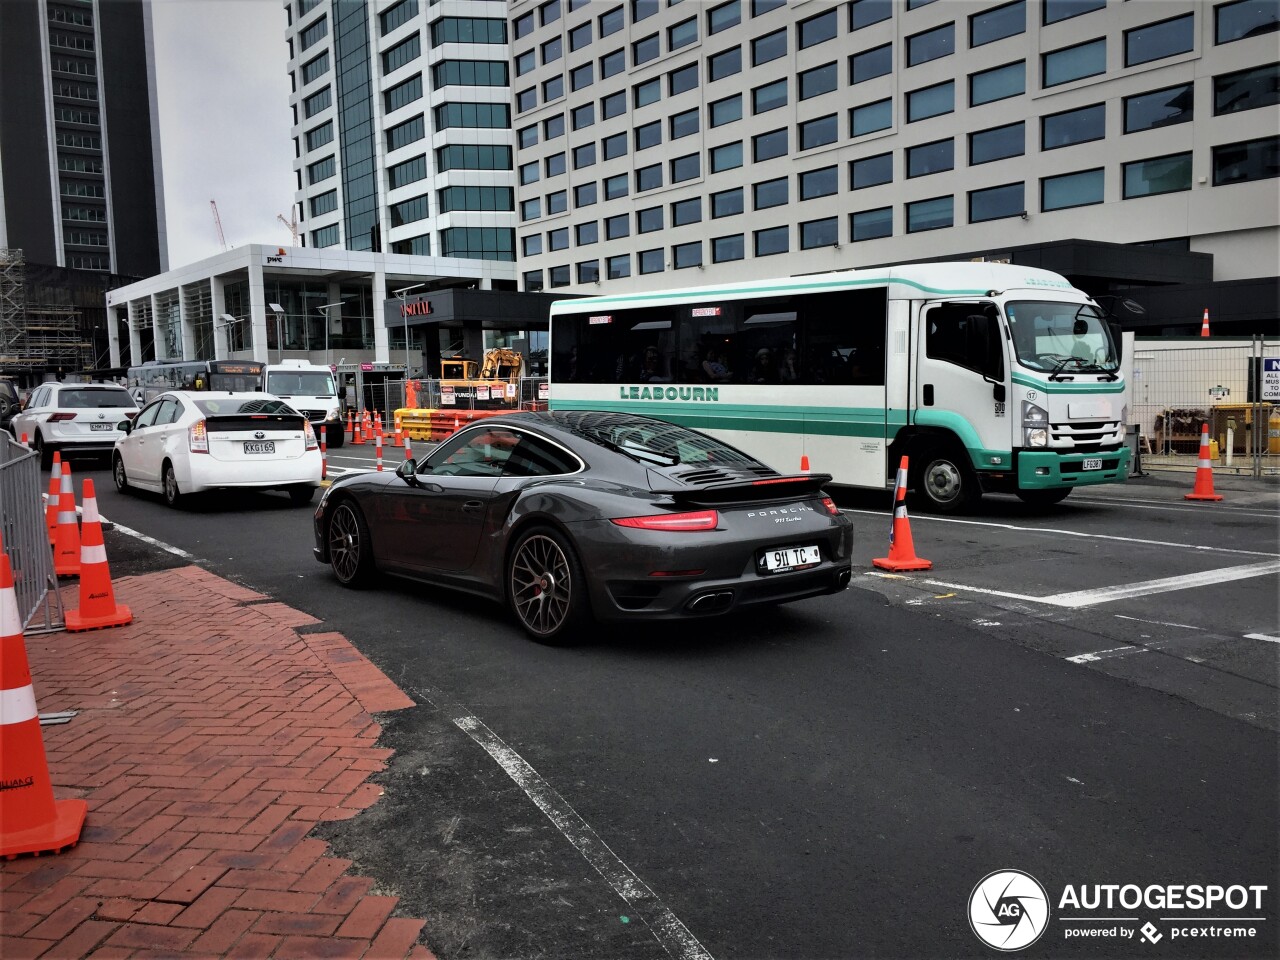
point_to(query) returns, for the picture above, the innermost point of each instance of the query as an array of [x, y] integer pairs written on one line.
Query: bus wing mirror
[[998, 392]]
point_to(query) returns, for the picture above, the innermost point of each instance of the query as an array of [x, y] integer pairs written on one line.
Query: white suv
[[73, 417]]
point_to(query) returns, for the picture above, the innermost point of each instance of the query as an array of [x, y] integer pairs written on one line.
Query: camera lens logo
[[1008, 910]]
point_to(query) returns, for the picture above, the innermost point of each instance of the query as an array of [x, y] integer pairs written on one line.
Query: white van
[[312, 390]]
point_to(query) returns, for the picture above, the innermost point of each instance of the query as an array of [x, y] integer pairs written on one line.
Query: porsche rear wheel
[[546, 586], [350, 548]]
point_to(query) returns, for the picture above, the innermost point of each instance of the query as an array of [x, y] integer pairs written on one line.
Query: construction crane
[[291, 223], [217, 222]]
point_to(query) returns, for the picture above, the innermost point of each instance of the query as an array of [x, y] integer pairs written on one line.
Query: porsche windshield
[[1060, 337]]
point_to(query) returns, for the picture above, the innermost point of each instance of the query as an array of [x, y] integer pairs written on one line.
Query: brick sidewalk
[[211, 738]]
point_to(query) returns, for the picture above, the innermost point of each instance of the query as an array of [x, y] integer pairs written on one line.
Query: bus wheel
[[942, 478], [1044, 498]]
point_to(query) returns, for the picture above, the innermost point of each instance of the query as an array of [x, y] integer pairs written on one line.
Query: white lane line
[[151, 540], [1076, 533], [1176, 507], [1099, 654], [1261, 636], [1089, 598], [674, 937], [1158, 623]]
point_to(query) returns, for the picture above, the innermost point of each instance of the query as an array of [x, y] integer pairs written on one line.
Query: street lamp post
[[279, 312], [404, 315], [324, 312], [227, 322]]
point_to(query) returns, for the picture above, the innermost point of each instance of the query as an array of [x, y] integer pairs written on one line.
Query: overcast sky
[[223, 92]]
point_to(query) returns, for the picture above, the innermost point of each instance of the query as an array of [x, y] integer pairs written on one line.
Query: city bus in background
[[989, 377], [148, 380]]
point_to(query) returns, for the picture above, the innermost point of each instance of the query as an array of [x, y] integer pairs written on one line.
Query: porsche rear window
[[655, 441], [227, 406], [94, 398]]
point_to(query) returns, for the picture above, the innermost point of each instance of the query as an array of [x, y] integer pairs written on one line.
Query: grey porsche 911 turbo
[[569, 516]]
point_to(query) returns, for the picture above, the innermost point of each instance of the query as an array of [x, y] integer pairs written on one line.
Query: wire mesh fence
[[26, 537]]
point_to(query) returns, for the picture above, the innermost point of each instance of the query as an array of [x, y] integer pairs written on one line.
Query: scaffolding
[[36, 336]]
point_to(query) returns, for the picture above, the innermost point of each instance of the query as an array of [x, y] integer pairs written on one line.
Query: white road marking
[[1099, 654], [1121, 591], [1158, 623], [1261, 636], [151, 540], [674, 937], [1175, 507]]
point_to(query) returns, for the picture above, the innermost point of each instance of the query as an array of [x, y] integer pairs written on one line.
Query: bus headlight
[[1035, 425]]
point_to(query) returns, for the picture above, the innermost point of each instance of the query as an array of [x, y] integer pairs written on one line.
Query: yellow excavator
[[500, 367]]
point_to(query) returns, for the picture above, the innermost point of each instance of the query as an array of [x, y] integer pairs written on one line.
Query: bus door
[[961, 382]]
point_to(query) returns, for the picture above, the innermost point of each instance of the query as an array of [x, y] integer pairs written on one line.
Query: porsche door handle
[[473, 506]]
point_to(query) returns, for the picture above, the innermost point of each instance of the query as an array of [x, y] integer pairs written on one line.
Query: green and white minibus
[[990, 377]]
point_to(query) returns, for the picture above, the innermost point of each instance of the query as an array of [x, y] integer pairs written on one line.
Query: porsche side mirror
[[408, 472]]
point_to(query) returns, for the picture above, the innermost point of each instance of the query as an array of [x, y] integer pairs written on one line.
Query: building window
[[770, 193], [724, 16], [1245, 18], [585, 234], [998, 83], [398, 15], [549, 12], [996, 203], [487, 116], [931, 44], [932, 214], [823, 182], [473, 157], [526, 99], [726, 157], [1246, 161], [319, 136], [819, 80], [404, 52], [557, 202], [1055, 10], [410, 171], [685, 255], [684, 124], [552, 89], [871, 171], [325, 236], [580, 36], [530, 172], [1154, 41], [863, 13], [1159, 108], [324, 203], [552, 50], [761, 7], [589, 271], [819, 233], [651, 261], [870, 117], [612, 64], [998, 23], [1148, 178], [876, 62], [615, 228], [559, 276], [685, 168], [998, 143], [555, 164], [523, 26], [1074, 63], [532, 278], [726, 203], [531, 209], [405, 133], [619, 266], [686, 211], [309, 36], [584, 156], [649, 178], [614, 146], [485, 199], [553, 127], [558, 239], [646, 93], [1073, 126], [531, 246], [725, 249], [611, 22], [615, 187], [469, 73], [317, 102], [409, 211], [419, 246], [682, 34], [403, 94], [771, 96], [648, 135], [1247, 89], [584, 195], [871, 224], [321, 170], [930, 158], [582, 117], [725, 111], [770, 241], [771, 46], [614, 105], [582, 77], [767, 146], [646, 49], [818, 132], [931, 101], [643, 9], [312, 70], [817, 29], [686, 78], [1071, 190], [724, 64]]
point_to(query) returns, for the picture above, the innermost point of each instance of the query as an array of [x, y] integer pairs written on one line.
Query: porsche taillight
[[198, 437], [673, 522], [831, 506]]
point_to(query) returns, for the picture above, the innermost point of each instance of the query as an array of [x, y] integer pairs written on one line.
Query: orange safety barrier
[[1203, 490], [902, 551], [98, 607], [51, 504], [31, 821], [66, 541]]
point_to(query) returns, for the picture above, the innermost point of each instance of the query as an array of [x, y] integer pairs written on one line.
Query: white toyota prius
[[185, 442]]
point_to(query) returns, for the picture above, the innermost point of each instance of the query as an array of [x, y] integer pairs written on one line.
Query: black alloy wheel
[[546, 586], [350, 549]]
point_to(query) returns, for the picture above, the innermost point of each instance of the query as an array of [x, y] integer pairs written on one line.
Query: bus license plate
[[259, 446], [1093, 464], [791, 558]]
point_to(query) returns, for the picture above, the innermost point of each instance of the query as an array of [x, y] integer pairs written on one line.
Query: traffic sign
[[1271, 378]]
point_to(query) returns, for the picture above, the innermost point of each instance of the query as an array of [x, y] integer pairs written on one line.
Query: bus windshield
[[1059, 336]]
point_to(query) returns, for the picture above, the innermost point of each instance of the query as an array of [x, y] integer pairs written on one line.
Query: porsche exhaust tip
[[716, 602]]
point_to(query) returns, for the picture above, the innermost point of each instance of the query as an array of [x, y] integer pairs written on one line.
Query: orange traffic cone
[[98, 607], [377, 446], [408, 447], [351, 427], [902, 552], [1203, 489], [55, 489], [357, 436], [804, 463], [1204, 324], [397, 437], [31, 821], [324, 454], [66, 539]]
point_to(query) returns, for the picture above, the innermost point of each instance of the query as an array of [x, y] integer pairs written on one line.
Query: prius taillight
[[310, 434], [198, 437], [674, 522]]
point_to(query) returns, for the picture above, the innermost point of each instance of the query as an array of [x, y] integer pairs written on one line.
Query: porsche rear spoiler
[[789, 487]]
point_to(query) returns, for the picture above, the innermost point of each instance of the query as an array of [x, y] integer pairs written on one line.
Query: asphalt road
[[829, 780]]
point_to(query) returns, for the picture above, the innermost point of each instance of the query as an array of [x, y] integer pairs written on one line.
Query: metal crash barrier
[[26, 538]]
